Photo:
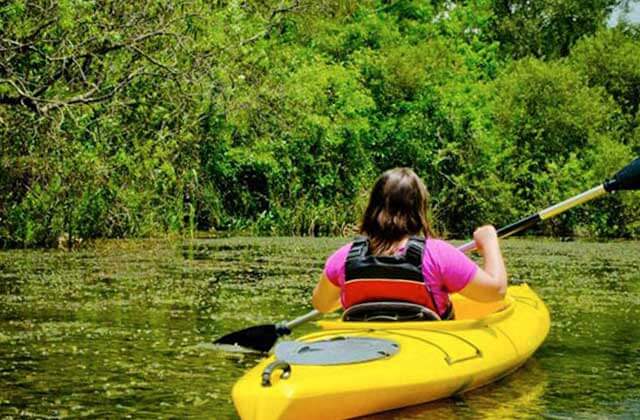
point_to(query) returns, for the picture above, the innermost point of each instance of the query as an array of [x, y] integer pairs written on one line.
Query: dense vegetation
[[122, 119]]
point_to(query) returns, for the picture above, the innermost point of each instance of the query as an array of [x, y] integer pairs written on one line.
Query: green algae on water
[[124, 328]]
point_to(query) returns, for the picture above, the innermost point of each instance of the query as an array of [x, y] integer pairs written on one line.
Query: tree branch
[[23, 98], [21, 45], [73, 67], [88, 98], [106, 48], [153, 60], [272, 22]]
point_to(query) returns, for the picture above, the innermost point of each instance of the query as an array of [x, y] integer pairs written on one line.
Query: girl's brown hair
[[397, 208]]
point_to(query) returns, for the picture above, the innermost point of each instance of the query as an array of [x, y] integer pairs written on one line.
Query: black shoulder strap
[[359, 248], [415, 249]]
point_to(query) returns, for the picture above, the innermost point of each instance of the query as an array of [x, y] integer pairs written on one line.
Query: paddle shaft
[[302, 319], [545, 214]]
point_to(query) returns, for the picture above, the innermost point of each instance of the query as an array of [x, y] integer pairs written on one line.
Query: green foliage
[[275, 118], [546, 28], [545, 111], [611, 59]]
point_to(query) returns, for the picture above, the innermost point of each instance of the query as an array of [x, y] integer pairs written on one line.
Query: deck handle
[[268, 371]]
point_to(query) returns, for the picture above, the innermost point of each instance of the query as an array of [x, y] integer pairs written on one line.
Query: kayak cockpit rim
[[503, 311]]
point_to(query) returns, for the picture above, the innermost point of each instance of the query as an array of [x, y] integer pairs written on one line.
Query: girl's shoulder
[[439, 251], [334, 267], [340, 253], [438, 245]]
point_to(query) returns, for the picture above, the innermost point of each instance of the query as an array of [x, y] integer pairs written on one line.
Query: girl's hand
[[485, 237], [490, 284]]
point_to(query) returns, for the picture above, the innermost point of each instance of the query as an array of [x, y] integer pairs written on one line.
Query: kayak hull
[[435, 360]]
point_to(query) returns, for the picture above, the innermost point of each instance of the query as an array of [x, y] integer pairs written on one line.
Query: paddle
[[628, 178], [263, 337]]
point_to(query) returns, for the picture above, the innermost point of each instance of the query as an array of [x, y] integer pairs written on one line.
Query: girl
[[391, 263]]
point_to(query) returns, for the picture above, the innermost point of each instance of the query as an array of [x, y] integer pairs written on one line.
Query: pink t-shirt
[[444, 267]]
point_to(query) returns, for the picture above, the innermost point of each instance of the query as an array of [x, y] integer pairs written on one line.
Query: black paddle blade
[[260, 338], [628, 178]]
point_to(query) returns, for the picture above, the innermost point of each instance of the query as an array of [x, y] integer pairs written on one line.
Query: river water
[[123, 328]]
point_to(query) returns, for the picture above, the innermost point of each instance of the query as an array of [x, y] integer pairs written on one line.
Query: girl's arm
[[326, 295], [490, 284]]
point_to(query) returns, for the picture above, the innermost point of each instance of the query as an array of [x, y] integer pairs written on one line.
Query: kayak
[[431, 360], [350, 369]]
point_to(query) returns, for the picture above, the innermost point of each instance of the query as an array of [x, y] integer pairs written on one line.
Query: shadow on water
[[125, 328]]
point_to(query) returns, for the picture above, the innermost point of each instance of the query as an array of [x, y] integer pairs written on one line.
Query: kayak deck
[[435, 360]]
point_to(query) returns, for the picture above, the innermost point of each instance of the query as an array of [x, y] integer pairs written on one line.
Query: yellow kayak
[[427, 361]]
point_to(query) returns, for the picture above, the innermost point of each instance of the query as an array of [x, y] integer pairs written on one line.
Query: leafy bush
[[276, 117]]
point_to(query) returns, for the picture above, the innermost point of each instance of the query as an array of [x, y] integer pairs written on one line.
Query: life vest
[[376, 278]]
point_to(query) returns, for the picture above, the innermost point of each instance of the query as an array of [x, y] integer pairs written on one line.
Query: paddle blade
[[628, 178], [260, 338]]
